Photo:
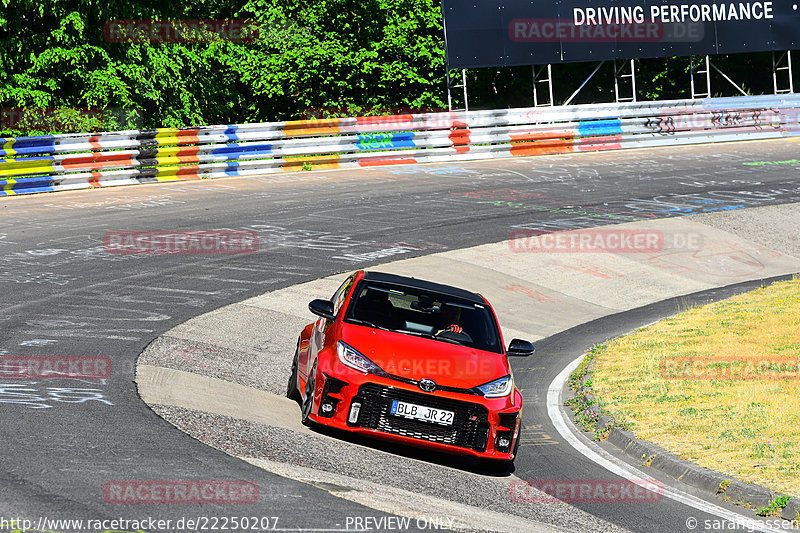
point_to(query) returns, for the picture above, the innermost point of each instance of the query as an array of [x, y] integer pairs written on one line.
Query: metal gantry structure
[[625, 75]]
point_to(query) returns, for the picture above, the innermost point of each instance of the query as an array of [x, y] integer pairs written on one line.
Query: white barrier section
[[76, 161]]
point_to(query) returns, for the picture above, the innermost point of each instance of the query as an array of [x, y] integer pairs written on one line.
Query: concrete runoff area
[[234, 362]]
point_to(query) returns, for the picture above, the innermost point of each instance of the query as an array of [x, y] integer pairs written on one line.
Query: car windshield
[[424, 314]]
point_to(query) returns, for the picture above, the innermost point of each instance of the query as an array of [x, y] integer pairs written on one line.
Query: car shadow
[[484, 467]]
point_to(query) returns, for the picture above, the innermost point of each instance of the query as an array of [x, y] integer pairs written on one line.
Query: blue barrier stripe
[[44, 144], [28, 190], [19, 183], [31, 150], [11, 187], [600, 127], [231, 131], [376, 141], [236, 150]]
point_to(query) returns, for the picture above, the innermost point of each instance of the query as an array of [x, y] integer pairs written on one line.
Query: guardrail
[[76, 161]]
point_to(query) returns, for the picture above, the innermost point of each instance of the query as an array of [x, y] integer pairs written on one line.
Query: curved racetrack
[[62, 294]]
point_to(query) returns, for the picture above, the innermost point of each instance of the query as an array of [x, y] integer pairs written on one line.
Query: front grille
[[470, 427]]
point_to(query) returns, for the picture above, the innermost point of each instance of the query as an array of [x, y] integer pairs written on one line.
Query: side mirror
[[323, 308], [519, 347]]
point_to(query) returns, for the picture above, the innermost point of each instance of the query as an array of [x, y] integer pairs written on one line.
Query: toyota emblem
[[428, 385]]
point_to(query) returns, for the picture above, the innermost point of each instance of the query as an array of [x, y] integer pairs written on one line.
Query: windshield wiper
[[431, 336], [452, 341], [416, 333], [366, 323]]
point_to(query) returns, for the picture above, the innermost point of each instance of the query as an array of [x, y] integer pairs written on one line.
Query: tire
[[291, 387], [308, 398]]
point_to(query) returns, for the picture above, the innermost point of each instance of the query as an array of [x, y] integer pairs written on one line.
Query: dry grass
[[747, 425]]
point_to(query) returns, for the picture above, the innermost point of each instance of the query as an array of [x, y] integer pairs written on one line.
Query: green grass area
[[718, 385]]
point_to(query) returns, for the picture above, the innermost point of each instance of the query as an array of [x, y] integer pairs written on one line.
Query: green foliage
[[775, 506], [578, 375], [322, 57]]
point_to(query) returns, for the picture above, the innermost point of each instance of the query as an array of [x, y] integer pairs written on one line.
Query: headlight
[[354, 359], [497, 388]]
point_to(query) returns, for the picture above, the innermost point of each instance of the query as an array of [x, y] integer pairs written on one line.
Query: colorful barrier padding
[[75, 161]]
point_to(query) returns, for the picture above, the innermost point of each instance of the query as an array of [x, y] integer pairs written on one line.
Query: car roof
[[415, 283]]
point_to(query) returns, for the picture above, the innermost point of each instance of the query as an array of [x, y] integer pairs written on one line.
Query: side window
[[340, 295]]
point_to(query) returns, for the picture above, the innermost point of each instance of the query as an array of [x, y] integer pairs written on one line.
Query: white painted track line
[[596, 454]]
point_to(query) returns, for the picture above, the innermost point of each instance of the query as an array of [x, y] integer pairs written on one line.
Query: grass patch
[[717, 385], [775, 507], [588, 412]]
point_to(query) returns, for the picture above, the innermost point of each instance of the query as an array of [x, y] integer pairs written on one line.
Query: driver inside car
[[450, 320]]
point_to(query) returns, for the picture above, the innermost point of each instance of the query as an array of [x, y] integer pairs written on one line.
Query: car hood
[[416, 358]]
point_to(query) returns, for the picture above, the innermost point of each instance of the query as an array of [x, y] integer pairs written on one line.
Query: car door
[[317, 339]]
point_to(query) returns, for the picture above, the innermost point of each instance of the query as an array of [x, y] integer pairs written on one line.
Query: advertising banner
[[494, 33]]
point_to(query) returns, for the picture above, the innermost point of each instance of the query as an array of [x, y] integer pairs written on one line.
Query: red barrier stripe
[[543, 148], [591, 144], [187, 136], [187, 150], [189, 172], [460, 137], [530, 136], [94, 140], [96, 161]]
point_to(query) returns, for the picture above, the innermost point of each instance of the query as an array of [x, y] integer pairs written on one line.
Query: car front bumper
[[482, 427]]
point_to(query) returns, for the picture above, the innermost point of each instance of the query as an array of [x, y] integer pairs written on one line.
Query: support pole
[[537, 81], [729, 80], [707, 72], [450, 87], [776, 67], [464, 85], [632, 76], [449, 96], [584, 83]]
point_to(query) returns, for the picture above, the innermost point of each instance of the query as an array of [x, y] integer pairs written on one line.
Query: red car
[[410, 361]]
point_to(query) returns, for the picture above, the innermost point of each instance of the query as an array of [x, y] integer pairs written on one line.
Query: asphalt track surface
[[63, 294]]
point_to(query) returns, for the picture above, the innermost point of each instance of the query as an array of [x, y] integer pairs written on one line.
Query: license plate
[[420, 412]]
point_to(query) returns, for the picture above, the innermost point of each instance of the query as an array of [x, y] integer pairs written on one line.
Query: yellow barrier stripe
[[7, 147], [316, 162], [8, 187], [13, 166]]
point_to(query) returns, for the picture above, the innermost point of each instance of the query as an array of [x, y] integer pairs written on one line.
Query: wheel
[[291, 387], [308, 399]]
